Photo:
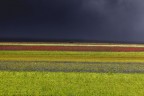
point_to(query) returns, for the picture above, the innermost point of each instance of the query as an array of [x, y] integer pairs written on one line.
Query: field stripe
[[99, 67], [72, 48], [72, 56], [73, 44]]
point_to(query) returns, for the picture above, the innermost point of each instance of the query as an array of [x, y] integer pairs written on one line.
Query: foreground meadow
[[70, 84]]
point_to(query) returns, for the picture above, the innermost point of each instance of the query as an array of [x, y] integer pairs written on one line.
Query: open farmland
[[70, 84], [68, 61], [71, 69]]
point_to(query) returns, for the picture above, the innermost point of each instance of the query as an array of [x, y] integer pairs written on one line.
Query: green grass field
[[60, 73], [70, 84]]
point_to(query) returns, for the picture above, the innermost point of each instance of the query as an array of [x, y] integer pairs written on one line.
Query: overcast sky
[[98, 20]]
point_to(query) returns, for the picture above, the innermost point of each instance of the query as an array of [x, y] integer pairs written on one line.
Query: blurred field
[[97, 47], [46, 66], [70, 84], [72, 56], [71, 73]]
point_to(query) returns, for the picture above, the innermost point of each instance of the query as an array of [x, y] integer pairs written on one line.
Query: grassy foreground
[[71, 84]]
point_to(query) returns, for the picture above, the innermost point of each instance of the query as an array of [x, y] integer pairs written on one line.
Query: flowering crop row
[[72, 48]]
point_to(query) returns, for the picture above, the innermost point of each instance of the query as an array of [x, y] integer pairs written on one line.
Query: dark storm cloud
[[119, 17], [106, 20]]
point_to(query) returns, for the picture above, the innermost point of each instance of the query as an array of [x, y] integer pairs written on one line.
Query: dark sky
[[98, 20]]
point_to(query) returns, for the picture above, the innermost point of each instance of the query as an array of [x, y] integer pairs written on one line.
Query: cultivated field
[[70, 84], [73, 47], [77, 69]]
